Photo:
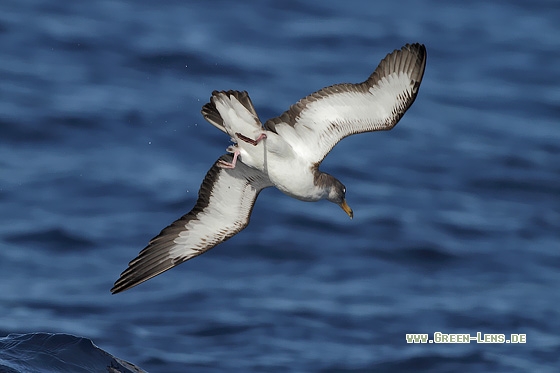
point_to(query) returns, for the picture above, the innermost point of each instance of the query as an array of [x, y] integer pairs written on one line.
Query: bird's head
[[337, 194]]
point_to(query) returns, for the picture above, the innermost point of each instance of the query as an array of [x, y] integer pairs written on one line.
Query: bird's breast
[[294, 179]]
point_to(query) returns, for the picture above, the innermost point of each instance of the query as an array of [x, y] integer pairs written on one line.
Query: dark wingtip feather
[[411, 59]]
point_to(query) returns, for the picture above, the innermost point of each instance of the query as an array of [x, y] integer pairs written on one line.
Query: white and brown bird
[[285, 153]]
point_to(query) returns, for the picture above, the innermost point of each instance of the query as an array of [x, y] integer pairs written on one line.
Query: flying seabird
[[285, 153]]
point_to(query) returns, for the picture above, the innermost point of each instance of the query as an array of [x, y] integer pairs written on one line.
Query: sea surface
[[456, 223]]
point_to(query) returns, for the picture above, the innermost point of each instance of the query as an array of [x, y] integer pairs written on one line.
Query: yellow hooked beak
[[347, 208]]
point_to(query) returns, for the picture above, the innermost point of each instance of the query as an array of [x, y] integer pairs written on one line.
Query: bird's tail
[[211, 114], [231, 99]]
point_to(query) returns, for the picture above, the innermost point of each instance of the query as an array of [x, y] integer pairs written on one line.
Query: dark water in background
[[41, 352], [456, 210]]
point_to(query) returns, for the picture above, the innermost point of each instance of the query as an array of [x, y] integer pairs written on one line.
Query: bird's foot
[[251, 141], [224, 164]]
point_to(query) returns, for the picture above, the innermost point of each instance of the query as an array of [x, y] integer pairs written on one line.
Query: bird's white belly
[[289, 173], [252, 155], [293, 178]]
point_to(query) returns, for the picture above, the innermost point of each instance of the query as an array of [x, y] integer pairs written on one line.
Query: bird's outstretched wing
[[327, 116], [224, 206]]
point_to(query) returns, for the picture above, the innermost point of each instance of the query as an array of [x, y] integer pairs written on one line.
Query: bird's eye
[[344, 190]]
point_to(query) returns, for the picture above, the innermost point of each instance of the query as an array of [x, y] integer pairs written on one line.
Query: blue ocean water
[[47, 352], [456, 210]]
